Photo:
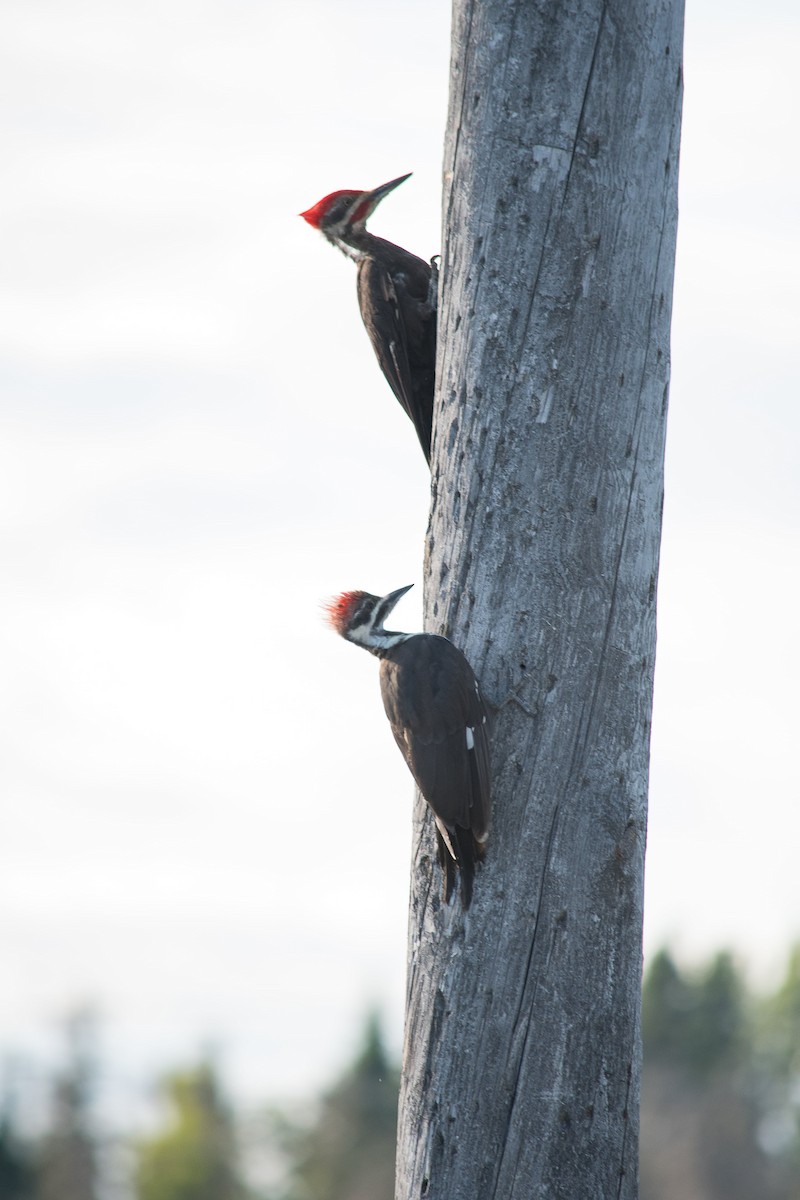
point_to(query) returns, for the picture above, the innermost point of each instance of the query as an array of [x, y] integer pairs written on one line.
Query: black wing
[[402, 329], [441, 724]]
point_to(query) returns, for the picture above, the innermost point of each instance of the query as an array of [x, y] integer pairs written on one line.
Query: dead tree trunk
[[522, 1056]]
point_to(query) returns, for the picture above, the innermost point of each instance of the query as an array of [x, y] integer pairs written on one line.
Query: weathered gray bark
[[521, 1063]]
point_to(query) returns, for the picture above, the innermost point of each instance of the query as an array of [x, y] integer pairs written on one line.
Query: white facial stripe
[[369, 637], [362, 635], [350, 251], [470, 738]]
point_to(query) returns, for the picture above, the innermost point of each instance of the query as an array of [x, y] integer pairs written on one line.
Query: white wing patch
[[470, 738], [395, 359]]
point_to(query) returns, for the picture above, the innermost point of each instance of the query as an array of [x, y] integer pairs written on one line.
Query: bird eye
[[362, 613]]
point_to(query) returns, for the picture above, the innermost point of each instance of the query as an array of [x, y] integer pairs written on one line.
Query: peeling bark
[[522, 1053]]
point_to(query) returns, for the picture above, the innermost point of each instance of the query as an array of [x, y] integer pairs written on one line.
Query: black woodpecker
[[397, 296], [440, 722]]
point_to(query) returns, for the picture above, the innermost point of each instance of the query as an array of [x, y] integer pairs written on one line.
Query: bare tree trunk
[[522, 1053]]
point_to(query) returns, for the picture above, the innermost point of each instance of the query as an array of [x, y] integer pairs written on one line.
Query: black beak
[[374, 197], [388, 602]]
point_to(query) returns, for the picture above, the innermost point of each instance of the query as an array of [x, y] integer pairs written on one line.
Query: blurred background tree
[[65, 1158], [347, 1153], [195, 1156], [777, 1076], [720, 1113], [16, 1169], [697, 1023], [700, 1117]]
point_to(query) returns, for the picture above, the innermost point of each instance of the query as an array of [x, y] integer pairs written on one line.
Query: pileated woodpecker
[[439, 721], [397, 296]]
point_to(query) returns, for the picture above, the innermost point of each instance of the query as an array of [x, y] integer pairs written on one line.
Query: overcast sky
[[205, 821]]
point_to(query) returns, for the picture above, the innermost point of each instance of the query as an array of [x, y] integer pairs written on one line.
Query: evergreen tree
[[65, 1159], [721, 1019], [194, 1158], [664, 1002], [697, 1022], [699, 1115], [16, 1174], [348, 1153], [777, 1069]]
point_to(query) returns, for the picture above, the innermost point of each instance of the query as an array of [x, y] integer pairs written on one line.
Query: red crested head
[[347, 208], [336, 202], [341, 609]]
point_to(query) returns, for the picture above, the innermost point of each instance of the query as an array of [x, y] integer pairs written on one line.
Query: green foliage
[[780, 1024], [697, 1021], [194, 1158], [720, 1111], [348, 1153], [705, 1100], [16, 1168], [776, 1058]]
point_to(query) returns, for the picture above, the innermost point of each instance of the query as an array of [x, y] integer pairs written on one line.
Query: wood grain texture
[[522, 1058]]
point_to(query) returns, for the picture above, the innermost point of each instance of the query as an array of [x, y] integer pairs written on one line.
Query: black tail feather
[[469, 852], [466, 850]]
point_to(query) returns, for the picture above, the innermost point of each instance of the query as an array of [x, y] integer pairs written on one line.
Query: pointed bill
[[369, 201], [387, 603]]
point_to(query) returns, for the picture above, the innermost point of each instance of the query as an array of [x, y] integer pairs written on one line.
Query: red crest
[[316, 214], [340, 609]]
